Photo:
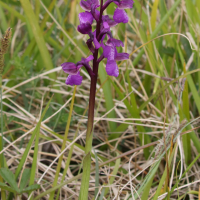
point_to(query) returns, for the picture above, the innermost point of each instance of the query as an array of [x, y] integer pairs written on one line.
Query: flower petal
[[95, 41], [69, 68], [103, 32], [74, 79], [84, 28], [109, 21], [126, 4], [86, 5], [120, 16], [85, 17], [95, 13], [114, 42], [122, 56], [110, 52], [89, 58], [117, 2], [102, 39], [112, 68], [105, 25], [95, 2], [90, 45]]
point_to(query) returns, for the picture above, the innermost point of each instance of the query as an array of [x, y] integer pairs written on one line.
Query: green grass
[[146, 135]]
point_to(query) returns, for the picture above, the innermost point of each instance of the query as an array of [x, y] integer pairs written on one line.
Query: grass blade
[[63, 144], [36, 132], [32, 19], [108, 95]]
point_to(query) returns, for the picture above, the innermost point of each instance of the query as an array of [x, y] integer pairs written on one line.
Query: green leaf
[[134, 112], [13, 11], [35, 28], [157, 29], [37, 132], [86, 178], [187, 169], [63, 144], [96, 175], [26, 152], [147, 187], [4, 24], [158, 92], [7, 188], [31, 188], [9, 177], [154, 14], [25, 178], [107, 95], [194, 92], [186, 137], [148, 179], [112, 178], [164, 175], [102, 194]]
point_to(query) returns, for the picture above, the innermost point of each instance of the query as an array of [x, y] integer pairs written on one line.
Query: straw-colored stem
[[3, 194]]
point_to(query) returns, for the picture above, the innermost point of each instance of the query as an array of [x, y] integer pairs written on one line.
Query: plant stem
[[89, 135], [1, 137], [3, 194]]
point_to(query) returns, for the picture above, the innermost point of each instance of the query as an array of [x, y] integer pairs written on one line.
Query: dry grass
[[171, 114]]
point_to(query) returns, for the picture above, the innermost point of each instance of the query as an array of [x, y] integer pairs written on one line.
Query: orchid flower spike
[[97, 39]]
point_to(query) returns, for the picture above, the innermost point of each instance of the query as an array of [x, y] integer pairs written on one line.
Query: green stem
[[89, 135], [88, 146]]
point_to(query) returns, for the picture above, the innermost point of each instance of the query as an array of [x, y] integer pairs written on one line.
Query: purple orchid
[[74, 79], [107, 21], [110, 52], [87, 5], [86, 19], [101, 37], [120, 14], [72, 69], [97, 37]]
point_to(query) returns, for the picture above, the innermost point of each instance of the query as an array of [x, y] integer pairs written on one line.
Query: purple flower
[[87, 5], [92, 40], [84, 28], [120, 16], [95, 41], [70, 68], [124, 4], [110, 52], [86, 19], [73, 70], [108, 22], [97, 37], [114, 42], [74, 79]]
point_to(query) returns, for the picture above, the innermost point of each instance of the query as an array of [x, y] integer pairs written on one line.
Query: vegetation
[[146, 128]]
